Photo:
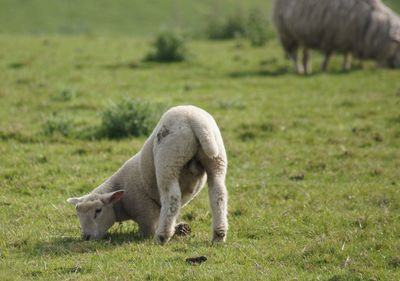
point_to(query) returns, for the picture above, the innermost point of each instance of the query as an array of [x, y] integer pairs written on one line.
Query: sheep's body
[[184, 150], [366, 29]]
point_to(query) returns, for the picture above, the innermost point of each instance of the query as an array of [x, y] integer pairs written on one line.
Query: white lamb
[[184, 150]]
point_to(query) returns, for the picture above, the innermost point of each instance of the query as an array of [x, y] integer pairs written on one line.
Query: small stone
[[196, 260]]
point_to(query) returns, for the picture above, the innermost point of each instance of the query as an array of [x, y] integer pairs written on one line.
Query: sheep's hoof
[[183, 230], [219, 236], [160, 239]]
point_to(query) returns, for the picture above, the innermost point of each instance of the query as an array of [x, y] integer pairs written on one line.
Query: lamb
[[365, 29], [184, 150]]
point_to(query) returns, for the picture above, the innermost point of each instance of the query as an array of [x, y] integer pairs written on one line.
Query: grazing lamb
[[184, 150], [365, 29]]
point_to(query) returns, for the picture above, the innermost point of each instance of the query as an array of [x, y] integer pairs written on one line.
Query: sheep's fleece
[[366, 29], [184, 150]]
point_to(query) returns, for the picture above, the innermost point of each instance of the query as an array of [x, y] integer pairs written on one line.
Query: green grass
[[313, 174], [128, 17]]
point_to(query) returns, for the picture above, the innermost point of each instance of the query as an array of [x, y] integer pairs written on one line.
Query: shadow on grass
[[339, 71], [285, 70], [266, 72], [122, 65], [75, 245], [133, 65]]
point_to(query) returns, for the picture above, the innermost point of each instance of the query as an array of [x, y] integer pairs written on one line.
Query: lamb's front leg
[[170, 195]]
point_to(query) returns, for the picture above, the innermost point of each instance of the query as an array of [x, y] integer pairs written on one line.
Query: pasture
[[313, 175]]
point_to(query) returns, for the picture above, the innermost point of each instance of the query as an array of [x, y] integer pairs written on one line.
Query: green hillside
[[117, 17]]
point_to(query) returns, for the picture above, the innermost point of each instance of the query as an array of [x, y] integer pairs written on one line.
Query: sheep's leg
[[306, 61], [218, 197], [148, 220], [325, 62], [170, 195], [347, 62], [298, 68]]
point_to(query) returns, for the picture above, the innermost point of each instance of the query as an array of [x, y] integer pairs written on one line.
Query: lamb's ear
[[113, 197], [74, 200]]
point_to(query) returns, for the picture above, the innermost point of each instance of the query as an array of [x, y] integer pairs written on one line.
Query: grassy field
[[132, 18], [313, 177], [313, 161]]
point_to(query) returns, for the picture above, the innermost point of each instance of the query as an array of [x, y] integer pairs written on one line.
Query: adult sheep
[[366, 29], [184, 150]]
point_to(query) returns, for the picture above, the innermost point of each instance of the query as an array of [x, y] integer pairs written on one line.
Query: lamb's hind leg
[[218, 197]]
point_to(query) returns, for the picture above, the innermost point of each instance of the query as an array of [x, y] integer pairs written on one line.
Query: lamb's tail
[[205, 132]]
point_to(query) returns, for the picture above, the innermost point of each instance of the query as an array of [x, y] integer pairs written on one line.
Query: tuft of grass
[[231, 27], [253, 25], [64, 95], [168, 47], [257, 27], [57, 124], [129, 117]]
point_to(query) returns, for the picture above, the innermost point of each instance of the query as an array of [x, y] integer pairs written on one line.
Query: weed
[[64, 95], [253, 25], [57, 124], [129, 117], [257, 27], [169, 47], [231, 27], [229, 104]]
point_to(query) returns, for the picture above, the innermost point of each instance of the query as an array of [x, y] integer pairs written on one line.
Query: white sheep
[[365, 29], [184, 150]]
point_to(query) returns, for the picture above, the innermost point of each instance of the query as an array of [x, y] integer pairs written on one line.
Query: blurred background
[[125, 17]]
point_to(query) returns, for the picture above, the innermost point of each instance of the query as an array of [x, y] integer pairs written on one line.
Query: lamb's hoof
[[219, 236], [183, 230], [161, 239]]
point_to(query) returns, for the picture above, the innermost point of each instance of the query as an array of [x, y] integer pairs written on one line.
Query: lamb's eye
[[96, 212]]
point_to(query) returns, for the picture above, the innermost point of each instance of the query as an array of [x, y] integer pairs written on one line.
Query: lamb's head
[[96, 213]]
